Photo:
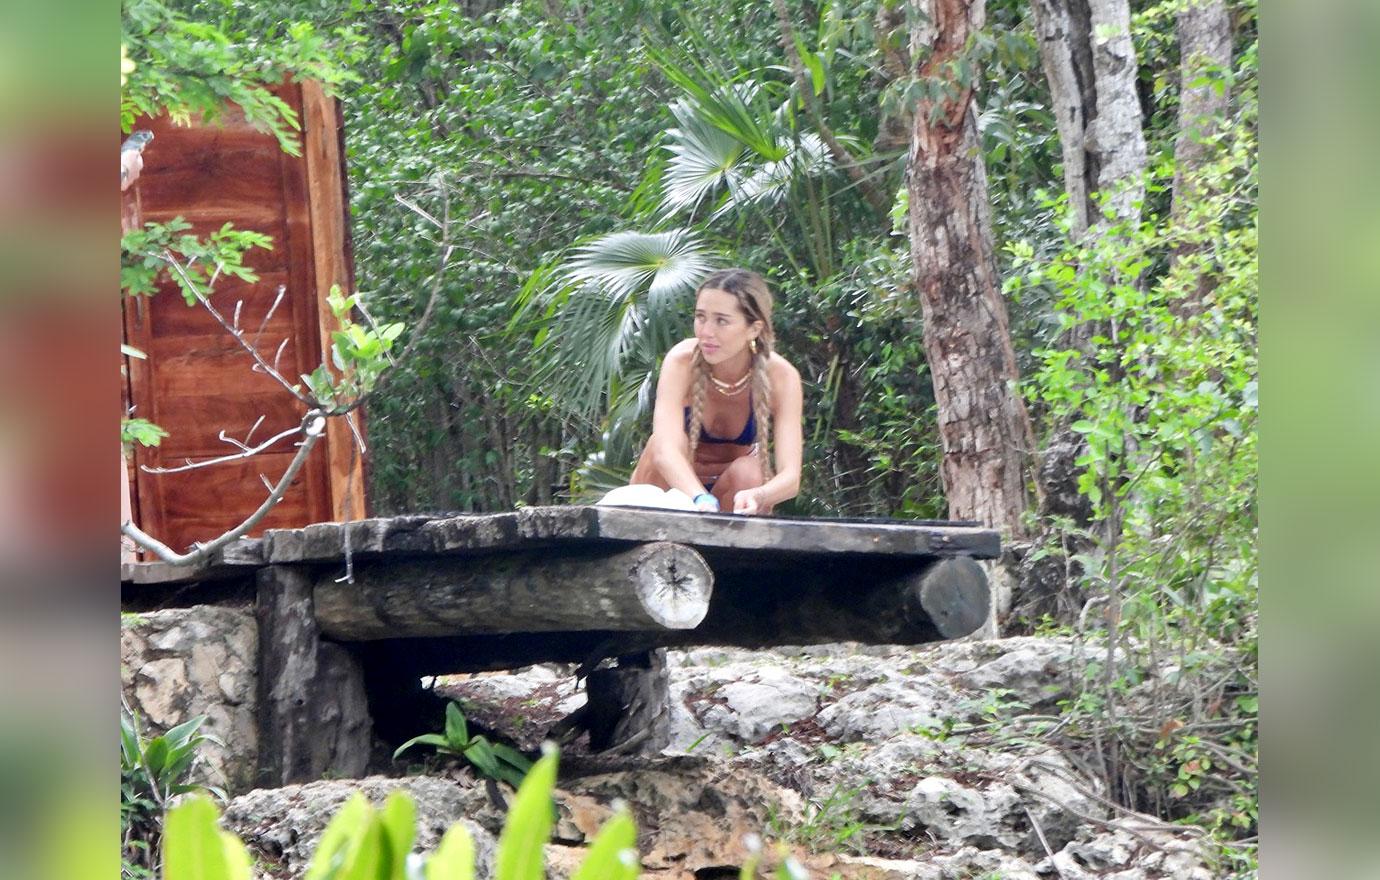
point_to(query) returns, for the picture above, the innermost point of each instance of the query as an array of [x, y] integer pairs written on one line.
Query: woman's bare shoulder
[[682, 352], [782, 370]]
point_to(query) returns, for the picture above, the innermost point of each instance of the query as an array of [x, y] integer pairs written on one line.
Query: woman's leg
[[646, 470], [744, 473]]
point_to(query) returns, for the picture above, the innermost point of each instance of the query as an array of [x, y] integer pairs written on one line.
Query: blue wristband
[[705, 495]]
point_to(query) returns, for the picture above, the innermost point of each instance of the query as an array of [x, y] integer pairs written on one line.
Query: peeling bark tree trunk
[[983, 425], [1090, 64]]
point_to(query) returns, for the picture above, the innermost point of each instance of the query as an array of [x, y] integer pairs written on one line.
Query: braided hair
[[754, 298]]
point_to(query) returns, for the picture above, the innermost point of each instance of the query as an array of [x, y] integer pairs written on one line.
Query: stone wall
[[182, 662]]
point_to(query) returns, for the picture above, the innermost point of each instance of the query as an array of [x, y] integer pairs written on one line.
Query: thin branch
[[247, 453], [236, 333], [313, 428]]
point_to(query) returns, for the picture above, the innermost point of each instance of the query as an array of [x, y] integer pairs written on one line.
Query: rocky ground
[[853, 759]]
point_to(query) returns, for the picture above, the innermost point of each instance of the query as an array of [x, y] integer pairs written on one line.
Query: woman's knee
[[743, 473]]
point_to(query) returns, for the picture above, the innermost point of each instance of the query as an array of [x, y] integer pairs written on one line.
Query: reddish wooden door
[[197, 381]]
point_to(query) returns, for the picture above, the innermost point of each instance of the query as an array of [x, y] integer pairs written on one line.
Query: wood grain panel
[[202, 504], [197, 380], [323, 133]]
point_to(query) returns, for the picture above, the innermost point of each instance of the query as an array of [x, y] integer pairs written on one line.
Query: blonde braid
[[761, 404], [697, 396]]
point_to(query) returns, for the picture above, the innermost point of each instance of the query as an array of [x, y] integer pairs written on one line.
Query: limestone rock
[[179, 663]]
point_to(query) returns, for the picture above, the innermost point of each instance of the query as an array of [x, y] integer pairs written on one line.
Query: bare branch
[[247, 453], [236, 333], [313, 428]]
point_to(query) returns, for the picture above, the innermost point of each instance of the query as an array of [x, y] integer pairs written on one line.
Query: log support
[[313, 716], [654, 586]]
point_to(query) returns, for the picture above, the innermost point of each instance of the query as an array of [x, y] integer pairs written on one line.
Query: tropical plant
[[494, 760], [153, 773]]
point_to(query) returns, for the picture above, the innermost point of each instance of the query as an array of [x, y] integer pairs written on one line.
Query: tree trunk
[[983, 425], [1090, 64], [1204, 30], [650, 587]]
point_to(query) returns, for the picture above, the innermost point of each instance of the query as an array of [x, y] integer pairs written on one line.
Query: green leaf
[[156, 756], [512, 756], [454, 856], [426, 739], [399, 821], [334, 846], [606, 859], [238, 865], [520, 847], [481, 754], [192, 845], [457, 731]]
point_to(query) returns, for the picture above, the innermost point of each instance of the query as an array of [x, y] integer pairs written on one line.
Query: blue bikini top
[[746, 438]]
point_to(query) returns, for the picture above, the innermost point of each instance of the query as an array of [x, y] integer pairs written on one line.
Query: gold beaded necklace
[[731, 389]]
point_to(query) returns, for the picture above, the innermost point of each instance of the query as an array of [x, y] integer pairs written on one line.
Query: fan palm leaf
[[622, 294], [704, 158]]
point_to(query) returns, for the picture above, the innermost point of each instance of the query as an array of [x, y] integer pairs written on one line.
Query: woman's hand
[[706, 503], [748, 501]]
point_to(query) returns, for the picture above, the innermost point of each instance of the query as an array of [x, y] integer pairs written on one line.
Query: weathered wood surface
[[313, 713], [542, 526], [648, 587]]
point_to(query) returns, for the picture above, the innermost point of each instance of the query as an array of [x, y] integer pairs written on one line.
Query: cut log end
[[673, 583], [955, 596]]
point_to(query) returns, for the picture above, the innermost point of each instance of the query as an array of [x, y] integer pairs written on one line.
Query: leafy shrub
[[152, 773], [494, 760]]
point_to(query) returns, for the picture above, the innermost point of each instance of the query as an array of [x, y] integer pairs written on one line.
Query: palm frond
[[623, 295], [704, 157]]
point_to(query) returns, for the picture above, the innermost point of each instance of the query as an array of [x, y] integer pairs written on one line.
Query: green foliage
[[1154, 365], [493, 760], [197, 849], [365, 843], [152, 773], [140, 431], [161, 252], [191, 69]]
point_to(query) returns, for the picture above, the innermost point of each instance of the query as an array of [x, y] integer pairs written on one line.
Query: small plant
[[494, 760], [152, 773]]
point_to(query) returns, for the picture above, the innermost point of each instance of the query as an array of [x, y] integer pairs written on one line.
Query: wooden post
[[313, 715], [628, 710]]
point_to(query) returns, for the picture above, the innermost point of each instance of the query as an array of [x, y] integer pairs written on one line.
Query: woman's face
[[721, 327]]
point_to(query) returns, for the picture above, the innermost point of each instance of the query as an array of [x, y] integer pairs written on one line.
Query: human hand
[[747, 502]]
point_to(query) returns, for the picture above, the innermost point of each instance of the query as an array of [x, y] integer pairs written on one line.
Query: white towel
[[647, 495]]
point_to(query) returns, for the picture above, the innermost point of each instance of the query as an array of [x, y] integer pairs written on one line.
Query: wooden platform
[[541, 584], [432, 595], [537, 527]]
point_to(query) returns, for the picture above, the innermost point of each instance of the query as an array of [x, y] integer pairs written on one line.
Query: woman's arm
[[788, 444], [669, 445]]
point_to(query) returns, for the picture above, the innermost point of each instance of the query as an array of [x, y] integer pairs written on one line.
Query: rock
[[883, 710], [692, 815], [178, 663]]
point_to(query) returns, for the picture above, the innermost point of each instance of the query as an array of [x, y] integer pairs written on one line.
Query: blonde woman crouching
[[727, 405]]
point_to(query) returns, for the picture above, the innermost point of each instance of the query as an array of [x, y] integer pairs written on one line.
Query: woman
[[727, 405]]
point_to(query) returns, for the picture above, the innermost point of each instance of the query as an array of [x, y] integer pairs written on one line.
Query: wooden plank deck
[[720, 535]]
